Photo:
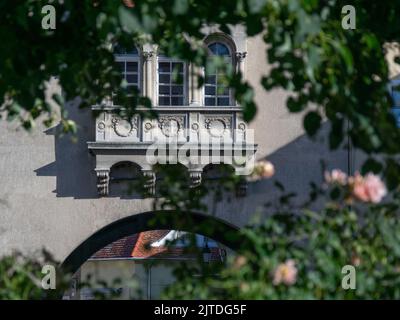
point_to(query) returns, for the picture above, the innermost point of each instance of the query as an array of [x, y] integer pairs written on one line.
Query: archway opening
[[211, 234], [125, 179]]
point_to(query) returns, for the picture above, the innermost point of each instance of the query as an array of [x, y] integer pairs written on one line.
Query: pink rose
[[262, 170], [336, 176], [369, 188], [285, 273]]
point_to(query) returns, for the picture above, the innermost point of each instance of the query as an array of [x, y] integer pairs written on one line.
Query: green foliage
[[321, 244], [21, 277], [333, 74]]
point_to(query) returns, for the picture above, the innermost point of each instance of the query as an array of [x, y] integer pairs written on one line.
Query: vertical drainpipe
[[350, 154], [149, 282]]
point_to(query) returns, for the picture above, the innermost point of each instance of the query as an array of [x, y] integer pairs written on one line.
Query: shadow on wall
[[73, 165], [299, 163], [296, 164]]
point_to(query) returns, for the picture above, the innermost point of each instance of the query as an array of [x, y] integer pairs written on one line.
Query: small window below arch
[[216, 90], [128, 61]]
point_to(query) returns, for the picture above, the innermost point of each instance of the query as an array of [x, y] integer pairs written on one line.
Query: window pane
[[222, 50], [131, 78], [177, 78], [164, 101], [171, 86], [221, 79], [177, 90], [223, 101], [177, 67], [210, 101], [131, 66], [210, 79], [210, 90], [132, 88], [163, 89], [164, 67], [176, 101], [134, 51], [211, 69], [223, 91], [219, 49], [164, 78]]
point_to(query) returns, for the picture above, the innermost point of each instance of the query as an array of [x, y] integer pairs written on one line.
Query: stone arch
[[122, 176], [125, 162], [223, 38], [217, 229]]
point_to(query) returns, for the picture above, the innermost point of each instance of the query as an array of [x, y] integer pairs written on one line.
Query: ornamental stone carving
[[147, 55], [124, 127], [240, 56], [120, 138], [195, 178], [171, 125], [242, 126], [148, 126], [217, 125], [101, 126], [103, 181], [195, 126], [150, 182]]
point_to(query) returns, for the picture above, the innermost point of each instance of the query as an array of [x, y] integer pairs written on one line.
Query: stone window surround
[[193, 96], [157, 82], [132, 58], [228, 60]]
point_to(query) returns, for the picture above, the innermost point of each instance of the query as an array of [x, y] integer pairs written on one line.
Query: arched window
[[171, 81], [129, 63], [216, 91]]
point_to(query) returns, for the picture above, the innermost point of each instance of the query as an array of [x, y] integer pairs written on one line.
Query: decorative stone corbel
[[147, 55], [239, 60], [240, 56], [103, 181], [195, 178], [150, 181]]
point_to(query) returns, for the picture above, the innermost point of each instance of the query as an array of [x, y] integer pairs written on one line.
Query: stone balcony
[[194, 136]]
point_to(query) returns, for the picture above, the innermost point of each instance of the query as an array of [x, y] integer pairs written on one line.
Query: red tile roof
[[139, 246], [121, 248]]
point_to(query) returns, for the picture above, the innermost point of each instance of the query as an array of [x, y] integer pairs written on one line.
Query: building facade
[[56, 191]]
